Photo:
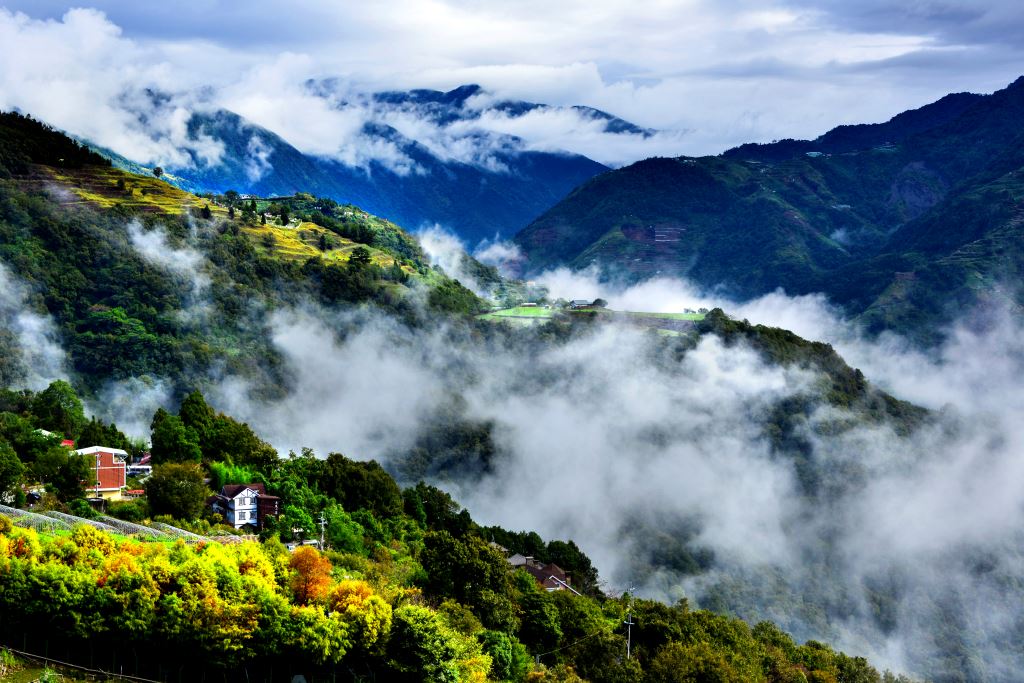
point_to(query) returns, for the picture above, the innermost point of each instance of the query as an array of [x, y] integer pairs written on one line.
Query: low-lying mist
[[657, 462], [910, 554]]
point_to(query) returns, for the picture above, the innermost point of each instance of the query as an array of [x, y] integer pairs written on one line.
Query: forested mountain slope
[[116, 258], [905, 222], [317, 323]]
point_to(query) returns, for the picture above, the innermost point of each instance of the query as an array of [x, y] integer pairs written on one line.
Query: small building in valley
[[245, 505]]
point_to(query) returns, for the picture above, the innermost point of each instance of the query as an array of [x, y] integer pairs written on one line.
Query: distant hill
[[904, 222], [476, 198]]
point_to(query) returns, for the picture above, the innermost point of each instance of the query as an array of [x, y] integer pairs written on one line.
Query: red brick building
[[109, 471]]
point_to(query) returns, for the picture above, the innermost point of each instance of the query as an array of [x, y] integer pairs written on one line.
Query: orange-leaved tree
[[311, 575]]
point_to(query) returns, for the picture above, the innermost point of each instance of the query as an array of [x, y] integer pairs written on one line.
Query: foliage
[[64, 472], [58, 408], [311, 575], [173, 441], [177, 489]]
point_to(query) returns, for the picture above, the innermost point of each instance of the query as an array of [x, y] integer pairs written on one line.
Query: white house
[[245, 505]]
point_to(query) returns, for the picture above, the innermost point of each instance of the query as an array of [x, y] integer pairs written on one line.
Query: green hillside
[[905, 223], [66, 218]]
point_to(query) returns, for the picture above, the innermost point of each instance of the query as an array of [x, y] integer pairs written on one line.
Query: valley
[[321, 362]]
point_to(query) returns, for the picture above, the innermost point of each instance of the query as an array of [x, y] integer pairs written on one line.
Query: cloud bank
[[711, 75], [613, 442]]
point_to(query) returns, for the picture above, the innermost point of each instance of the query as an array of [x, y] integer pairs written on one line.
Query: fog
[[907, 551], [40, 356], [607, 440]]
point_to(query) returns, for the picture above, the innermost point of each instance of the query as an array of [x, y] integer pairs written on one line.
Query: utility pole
[[323, 527], [629, 624]]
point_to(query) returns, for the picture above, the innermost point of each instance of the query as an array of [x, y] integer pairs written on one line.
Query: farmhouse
[[579, 303], [245, 505], [550, 576], [108, 468]]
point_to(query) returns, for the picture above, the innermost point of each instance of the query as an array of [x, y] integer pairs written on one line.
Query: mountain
[[143, 279], [903, 223], [476, 182], [143, 282]]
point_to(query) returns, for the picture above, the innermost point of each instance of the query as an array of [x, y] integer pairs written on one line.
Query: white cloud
[[41, 357], [712, 75]]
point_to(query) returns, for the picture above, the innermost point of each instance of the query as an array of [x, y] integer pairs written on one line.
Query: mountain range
[[904, 223], [476, 182]]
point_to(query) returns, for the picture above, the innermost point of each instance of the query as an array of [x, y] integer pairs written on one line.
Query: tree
[[263, 219], [98, 433], [284, 215], [231, 213], [205, 212], [678, 663], [65, 472], [173, 441], [358, 485], [178, 490], [11, 470], [311, 575], [509, 659], [158, 171], [359, 257], [58, 408], [599, 303], [197, 414]]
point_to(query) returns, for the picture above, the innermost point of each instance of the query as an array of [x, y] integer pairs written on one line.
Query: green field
[[519, 312], [536, 312], [665, 316]]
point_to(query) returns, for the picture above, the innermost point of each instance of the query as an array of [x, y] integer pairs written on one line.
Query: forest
[[407, 587]]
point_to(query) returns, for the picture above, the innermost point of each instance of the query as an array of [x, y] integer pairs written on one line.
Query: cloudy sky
[[711, 74]]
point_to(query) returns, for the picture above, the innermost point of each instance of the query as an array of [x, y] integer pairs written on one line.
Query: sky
[[710, 74]]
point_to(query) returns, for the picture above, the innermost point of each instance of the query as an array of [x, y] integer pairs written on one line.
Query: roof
[[92, 450], [68, 443], [580, 301], [232, 490]]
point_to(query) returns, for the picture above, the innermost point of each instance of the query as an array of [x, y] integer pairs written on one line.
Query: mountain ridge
[[807, 216]]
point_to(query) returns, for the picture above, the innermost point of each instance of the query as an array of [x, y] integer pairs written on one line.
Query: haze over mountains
[[799, 401], [735, 464]]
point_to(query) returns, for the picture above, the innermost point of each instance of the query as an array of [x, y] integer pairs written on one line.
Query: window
[[241, 515]]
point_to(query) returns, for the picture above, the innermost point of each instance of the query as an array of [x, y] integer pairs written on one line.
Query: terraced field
[[299, 242], [110, 187]]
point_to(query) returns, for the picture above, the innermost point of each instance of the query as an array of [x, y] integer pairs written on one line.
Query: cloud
[[446, 251], [632, 446], [502, 255], [41, 359], [185, 263], [257, 160], [710, 75], [81, 75]]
